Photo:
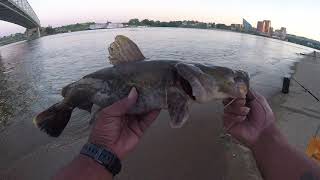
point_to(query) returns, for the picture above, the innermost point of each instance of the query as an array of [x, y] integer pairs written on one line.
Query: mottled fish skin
[[159, 85], [111, 84]]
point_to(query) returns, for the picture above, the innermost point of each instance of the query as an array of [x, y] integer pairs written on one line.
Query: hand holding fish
[[116, 130], [246, 119]]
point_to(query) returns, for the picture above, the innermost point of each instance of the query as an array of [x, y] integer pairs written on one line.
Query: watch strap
[[103, 156]]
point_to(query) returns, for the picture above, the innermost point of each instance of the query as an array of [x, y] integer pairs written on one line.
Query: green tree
[[222, 26], [147, 22], [134, 22], [202, 25], [175, 23], [49, 30], [157, 23]]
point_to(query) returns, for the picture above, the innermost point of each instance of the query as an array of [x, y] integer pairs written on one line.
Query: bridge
[[21, 13]]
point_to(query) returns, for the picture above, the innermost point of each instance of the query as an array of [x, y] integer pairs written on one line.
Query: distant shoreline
[[85, 27]]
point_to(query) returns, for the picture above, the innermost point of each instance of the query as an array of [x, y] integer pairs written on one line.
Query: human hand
[[118, 131], [246, 119]]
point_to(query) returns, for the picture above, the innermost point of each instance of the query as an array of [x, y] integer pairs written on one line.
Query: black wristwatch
[[103, 156]]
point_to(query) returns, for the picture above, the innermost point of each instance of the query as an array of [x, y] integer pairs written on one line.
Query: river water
[[32, 74]]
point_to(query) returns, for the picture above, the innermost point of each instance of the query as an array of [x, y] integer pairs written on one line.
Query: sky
[[300, 17]]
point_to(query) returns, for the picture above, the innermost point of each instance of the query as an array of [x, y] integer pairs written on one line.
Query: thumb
[[123, 106], [251, 95]]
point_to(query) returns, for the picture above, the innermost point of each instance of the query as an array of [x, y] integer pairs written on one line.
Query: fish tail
[[54, 119]]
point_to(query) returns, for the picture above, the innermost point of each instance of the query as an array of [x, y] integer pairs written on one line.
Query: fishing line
[[291, 77], [306, 89], [229, 103]]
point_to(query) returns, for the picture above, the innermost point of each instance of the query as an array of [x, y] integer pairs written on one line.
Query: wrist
[[101, 143], [103, 157], [90, 167], [269, 137], [91, 163]]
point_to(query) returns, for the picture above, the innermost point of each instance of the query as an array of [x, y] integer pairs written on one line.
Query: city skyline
[[297, 17]]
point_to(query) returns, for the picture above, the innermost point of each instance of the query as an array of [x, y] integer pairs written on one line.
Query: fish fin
[[197, 79], [94, 113], [124, 50], [178, 107], [54, 119]]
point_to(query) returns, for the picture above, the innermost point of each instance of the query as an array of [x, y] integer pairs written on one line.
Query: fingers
[[251, 95], [256, 100], [148, 119], [234, 113], [230, 120], [123, 106], [139, 124], [238, 110], [235, 103], [227, 101]]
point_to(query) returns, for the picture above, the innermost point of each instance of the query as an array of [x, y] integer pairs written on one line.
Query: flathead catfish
[[171, 85]]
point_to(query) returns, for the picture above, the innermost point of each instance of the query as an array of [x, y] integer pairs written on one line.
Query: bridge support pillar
[[33, 33]]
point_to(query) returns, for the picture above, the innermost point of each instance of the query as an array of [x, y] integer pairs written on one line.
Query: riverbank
[[297, 114], [47, 31]]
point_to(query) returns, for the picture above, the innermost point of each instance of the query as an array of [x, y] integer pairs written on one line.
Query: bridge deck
[[10, 12]]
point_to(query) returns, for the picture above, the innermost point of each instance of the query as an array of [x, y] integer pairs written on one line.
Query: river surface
[[32, 73]]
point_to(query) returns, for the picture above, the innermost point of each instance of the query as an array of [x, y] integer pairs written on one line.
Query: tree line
[[185, 24]]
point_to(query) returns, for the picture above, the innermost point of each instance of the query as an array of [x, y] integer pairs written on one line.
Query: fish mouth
[[238, 90], [186, 86], [242, 90], [242, 83], [242, 77], [205, 91]]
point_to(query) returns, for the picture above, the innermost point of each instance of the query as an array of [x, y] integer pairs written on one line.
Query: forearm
[[277, 160], [83, 167]]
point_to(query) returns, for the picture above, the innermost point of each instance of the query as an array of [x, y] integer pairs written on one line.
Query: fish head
[[228, 83], [214, 82]]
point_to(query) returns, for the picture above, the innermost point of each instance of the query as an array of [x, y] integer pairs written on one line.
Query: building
[[98, 26], [115, 25], [236, 27], [281, 33], [260, 26], [246, 26], [267, 26], [211, 25], [283, 30], [108, 25], [271, 31]]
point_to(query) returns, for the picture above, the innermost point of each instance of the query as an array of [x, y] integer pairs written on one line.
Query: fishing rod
[[306, 89]]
